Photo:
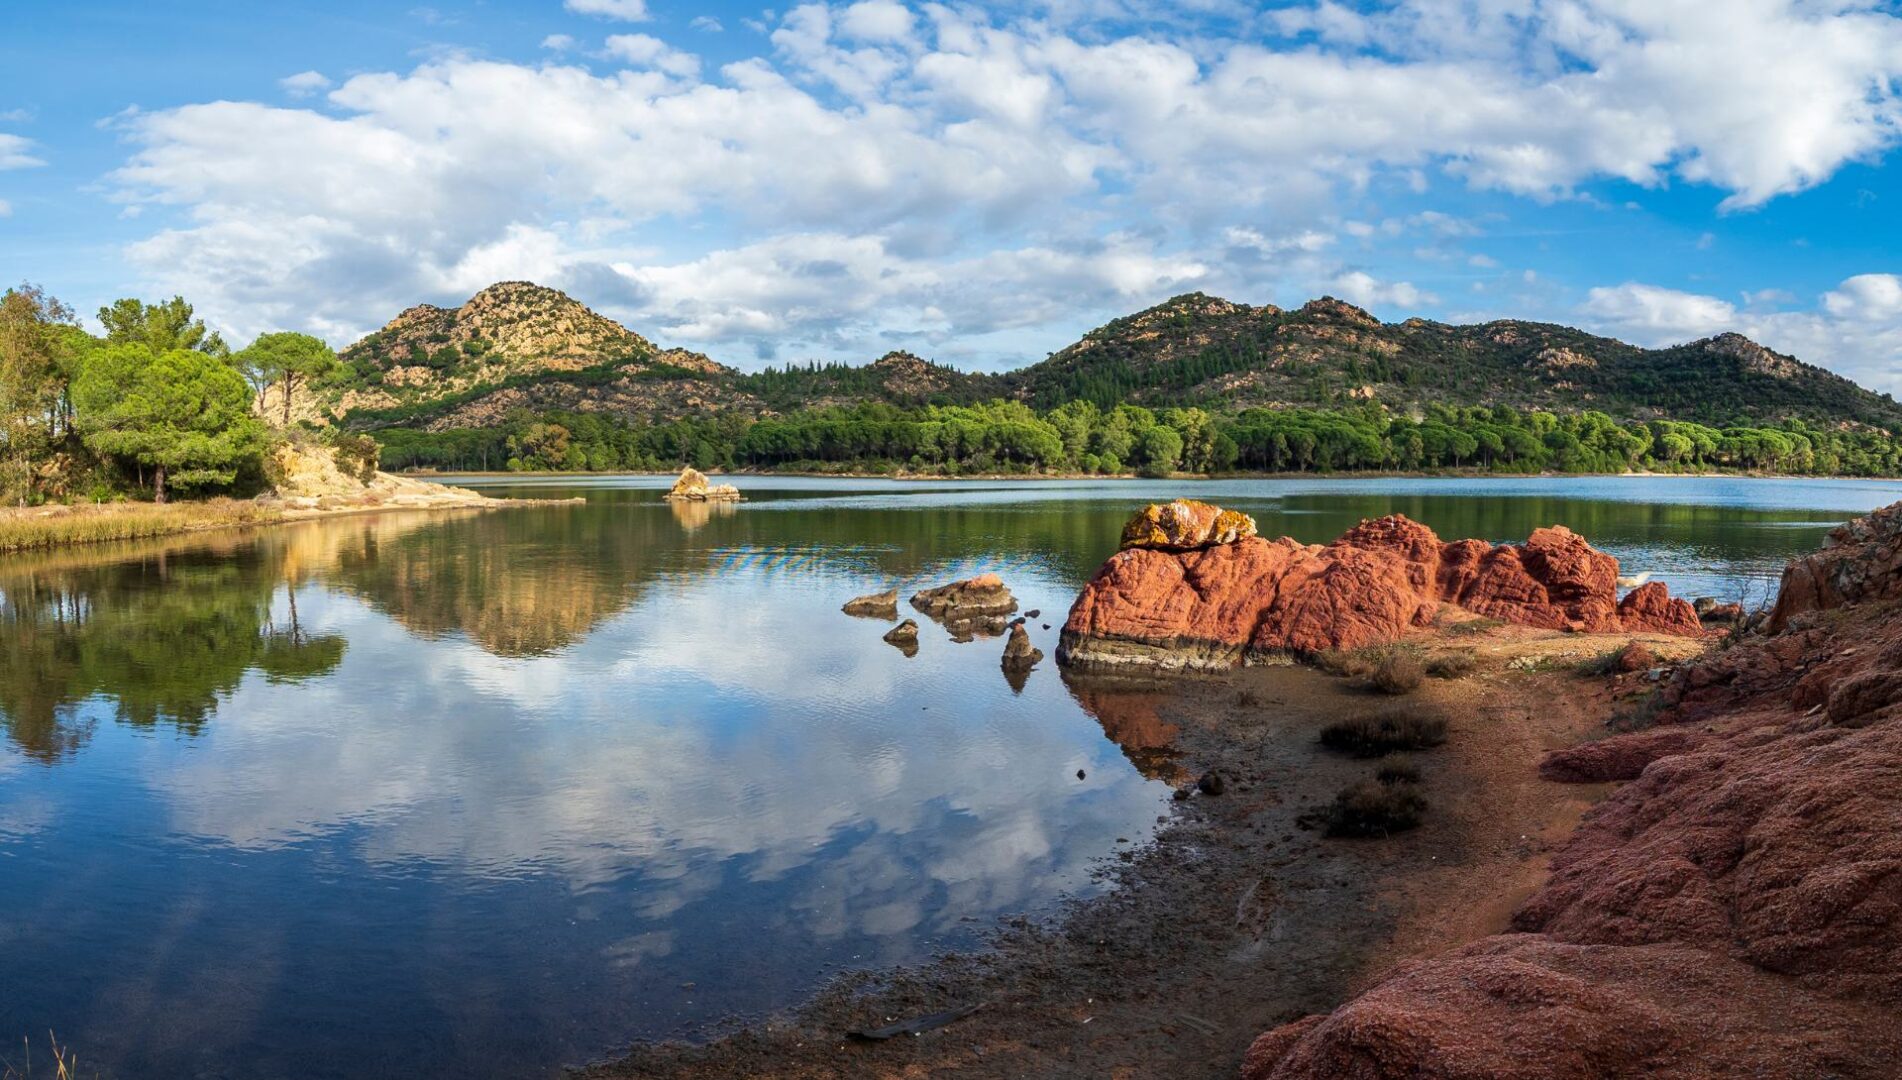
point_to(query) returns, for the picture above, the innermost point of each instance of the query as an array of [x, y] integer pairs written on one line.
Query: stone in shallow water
[[874, 605], [970, 600]]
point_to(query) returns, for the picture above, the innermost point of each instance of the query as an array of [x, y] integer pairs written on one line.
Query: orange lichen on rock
[[1174, 605], [1185, 524]]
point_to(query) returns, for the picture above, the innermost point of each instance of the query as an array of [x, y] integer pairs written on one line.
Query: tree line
[[1010, 437], [158, 403]]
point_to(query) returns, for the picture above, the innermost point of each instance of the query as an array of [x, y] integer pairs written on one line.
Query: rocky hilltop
[[1734, 910], [1195, 588], [517, 345]]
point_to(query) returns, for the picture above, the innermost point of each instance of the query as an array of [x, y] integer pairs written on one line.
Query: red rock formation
[[1210, 606], [1735, 910]]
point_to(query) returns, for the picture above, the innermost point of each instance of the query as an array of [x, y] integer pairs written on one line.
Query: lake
[[490, 793]]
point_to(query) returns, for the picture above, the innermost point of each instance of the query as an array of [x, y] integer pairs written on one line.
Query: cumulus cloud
[[929, 140], [1360, 287], [643, 50], [304, 83], [1854, 329], [15, 152]]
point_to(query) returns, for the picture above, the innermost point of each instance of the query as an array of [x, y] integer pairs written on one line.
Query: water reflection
[[481, 792]]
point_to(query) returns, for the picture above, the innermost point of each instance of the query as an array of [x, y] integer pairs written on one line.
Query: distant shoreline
[[1444, 474]]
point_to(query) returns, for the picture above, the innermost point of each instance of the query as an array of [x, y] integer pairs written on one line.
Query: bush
[[1397, 671], [1372, 736], [1397, 769], [1344, 662], [357, 456], [1451, 665], [1371, 808]]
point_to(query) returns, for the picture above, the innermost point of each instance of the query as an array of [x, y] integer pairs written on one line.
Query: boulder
[[1019, 653], [1185, 524], [904, 636], [1214, 606], [874, 605], [1635, 656], [971, 600], [692, 486]]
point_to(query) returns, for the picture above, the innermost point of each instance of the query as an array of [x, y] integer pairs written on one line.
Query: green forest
[[157, 405], [1079, 437]]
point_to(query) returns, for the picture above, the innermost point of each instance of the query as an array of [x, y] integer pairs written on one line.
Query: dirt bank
[[1238, 916]]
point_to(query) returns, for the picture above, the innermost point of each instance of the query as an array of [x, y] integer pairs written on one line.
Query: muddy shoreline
[[1238, 915]]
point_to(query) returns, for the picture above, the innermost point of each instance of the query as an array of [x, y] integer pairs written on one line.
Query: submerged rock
[[692, 486], [1212, 607], [874, 605]]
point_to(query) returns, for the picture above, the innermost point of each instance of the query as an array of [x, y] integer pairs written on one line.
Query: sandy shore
[[42, 527], [1239, 915]]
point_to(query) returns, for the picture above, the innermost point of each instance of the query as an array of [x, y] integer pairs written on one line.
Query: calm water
[[492, 793]]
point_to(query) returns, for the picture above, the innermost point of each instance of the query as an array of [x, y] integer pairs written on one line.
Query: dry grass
[[64, 1064], [25, 529], [1397, 671], [1456, 665], [1371, 808], [1373, 736], [1397, 769]]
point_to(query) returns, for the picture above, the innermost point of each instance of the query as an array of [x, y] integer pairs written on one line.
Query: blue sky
[[976, 184]]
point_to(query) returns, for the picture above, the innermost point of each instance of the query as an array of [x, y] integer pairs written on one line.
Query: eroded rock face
[[692, 486], [1734, 910], [1214, 605], [1185, 524]]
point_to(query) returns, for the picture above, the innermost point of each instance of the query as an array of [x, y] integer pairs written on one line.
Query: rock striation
[[1238, 596], [1734, 910], [693, 486]]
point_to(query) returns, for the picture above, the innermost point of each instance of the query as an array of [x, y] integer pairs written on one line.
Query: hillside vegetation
[[1193, 384]]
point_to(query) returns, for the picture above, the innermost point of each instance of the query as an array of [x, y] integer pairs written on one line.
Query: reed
[[29, 528]]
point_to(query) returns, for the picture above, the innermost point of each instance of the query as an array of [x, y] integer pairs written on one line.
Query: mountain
[[516, 345], [1204, 350]]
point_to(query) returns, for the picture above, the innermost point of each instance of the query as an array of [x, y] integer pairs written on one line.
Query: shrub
[[1345, 662], [1371, 808], [1372, 736], [1397, 671], [1397, 769], [1451, 665]]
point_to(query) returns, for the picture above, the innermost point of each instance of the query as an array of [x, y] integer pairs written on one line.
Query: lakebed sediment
[[1237, 915]]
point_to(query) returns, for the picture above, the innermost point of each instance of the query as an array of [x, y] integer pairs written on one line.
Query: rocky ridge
[[1231, 600]]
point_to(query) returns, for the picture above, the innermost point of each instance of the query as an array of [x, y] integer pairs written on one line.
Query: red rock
[[1213, 605], [1734, 910], [1635, 656]]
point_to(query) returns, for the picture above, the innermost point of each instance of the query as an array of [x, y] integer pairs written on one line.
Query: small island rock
[[692, 486], [1019, 653]]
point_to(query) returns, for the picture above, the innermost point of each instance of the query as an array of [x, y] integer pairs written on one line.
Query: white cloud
[[6, 208], [1867, 297], [1359, 287], [1855, 329], [644, 50], [940, 138], [558, 42], [624, 10], [707, 23], [304, 83], [14, 152]]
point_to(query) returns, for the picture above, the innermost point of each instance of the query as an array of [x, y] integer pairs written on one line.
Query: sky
[[976, 184]]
